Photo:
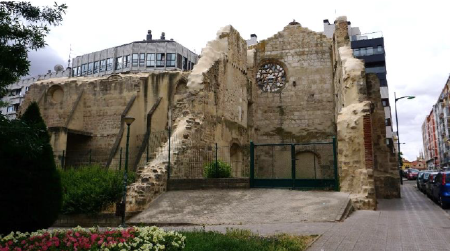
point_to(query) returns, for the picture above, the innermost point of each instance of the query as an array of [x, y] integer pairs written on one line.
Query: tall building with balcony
[[370, 48], [431, 150], [436, 132]]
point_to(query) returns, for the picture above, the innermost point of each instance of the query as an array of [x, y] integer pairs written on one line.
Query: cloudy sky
[[417, 37]]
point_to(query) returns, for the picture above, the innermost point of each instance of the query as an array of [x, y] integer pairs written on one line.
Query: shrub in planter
[[89, 189], [133, 238], [30, 185], [221, 170]]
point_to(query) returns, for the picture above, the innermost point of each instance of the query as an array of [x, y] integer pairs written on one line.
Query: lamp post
[[128, 121], [398, 134]]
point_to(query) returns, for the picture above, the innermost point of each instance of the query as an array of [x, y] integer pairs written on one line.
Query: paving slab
[[243, 207], [413, 222]]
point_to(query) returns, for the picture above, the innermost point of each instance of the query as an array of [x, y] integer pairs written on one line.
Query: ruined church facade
[[294, 87]]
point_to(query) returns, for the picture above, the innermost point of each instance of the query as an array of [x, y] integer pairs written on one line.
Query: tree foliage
[[31, 193], [23, 27]]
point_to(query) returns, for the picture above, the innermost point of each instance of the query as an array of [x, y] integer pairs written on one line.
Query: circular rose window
[[271, 77]]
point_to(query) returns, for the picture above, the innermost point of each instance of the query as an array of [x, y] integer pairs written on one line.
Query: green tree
[[31, 193], [23, 27]]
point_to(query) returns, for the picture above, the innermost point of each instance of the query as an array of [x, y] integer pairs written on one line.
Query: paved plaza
[[243, 207], [411, 223]]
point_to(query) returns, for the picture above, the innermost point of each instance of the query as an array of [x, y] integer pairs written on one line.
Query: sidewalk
[[411, 223]]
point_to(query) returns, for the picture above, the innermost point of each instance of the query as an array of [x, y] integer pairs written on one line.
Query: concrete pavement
[[243, 207], [411, 223]]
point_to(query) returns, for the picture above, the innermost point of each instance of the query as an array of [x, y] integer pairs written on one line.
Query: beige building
[[292, 89]]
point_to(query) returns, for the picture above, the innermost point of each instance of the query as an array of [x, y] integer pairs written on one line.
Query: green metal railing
[[294, 165]]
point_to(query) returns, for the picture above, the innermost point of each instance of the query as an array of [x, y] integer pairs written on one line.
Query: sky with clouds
[[416, 33]]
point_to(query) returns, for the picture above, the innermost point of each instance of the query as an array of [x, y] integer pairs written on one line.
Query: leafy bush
[[223, 170], [133, 238], [90, 189], [29, 183]]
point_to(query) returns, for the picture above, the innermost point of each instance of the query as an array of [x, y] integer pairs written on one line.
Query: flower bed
[[133, 238]]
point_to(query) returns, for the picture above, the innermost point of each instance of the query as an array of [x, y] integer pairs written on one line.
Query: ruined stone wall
[[85, 114], [212, 109], [354, 122], [366, 166], [385, 164], [299, 106]]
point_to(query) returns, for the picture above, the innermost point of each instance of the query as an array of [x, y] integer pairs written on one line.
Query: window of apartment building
[[369, 51], [10, 108], [79, 71], [185, 63], [74, 71], [362, 51], [356, 52], [90, 68], [109, 64], [83, 69], [127, 62], [160, 59], [385, 102], [118, 63], [150, 59], [135, 59], [387, 122], [380, 49], [96, 66], [103, 65], [142, 59], [179, 61], [171, 58]]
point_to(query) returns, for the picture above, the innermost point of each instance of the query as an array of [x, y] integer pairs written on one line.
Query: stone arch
[[271, 76], [307, 165], [181, 87], [55, 94], [236, 159]]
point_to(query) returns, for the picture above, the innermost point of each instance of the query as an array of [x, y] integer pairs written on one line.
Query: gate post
[[293, 165], [336, 174], [252, 163]]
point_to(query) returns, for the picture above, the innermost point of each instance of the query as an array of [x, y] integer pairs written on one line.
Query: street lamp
[[128, 121], [398, 133]]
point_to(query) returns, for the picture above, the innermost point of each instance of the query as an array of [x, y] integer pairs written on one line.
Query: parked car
[[422, 180], [412, 174], [441, 189], [430, 184], [419, 178]]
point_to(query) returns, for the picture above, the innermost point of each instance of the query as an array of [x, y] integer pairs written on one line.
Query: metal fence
[[185, 159], [190, 161], [308, 165]]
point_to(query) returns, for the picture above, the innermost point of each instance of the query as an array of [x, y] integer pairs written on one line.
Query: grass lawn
[[240, 240]]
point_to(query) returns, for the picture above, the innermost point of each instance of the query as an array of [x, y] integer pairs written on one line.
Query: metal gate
[[294, 165]]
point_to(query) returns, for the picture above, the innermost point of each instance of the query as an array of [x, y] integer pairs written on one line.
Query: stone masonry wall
[[354, 123], [385, 163], [301, 110]]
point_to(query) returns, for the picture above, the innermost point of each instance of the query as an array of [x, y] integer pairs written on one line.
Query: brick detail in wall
[[368, 147]]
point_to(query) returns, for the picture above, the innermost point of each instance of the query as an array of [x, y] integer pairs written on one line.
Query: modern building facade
[[436, 133], [141, 56], [370, 48]]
